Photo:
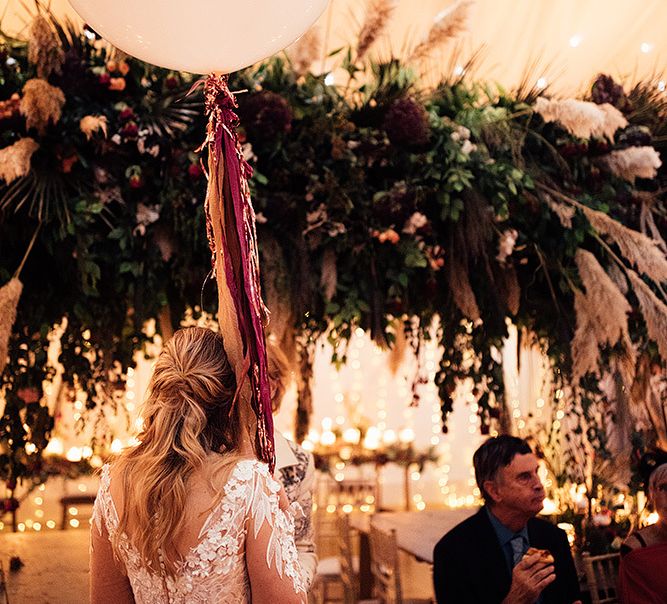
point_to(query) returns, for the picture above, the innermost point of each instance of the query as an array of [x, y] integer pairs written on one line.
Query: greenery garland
[[381, 205]]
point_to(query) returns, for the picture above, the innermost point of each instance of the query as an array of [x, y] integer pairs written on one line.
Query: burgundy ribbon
[[239, 247]]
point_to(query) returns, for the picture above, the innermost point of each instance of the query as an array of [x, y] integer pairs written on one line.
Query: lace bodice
[[215, 568]]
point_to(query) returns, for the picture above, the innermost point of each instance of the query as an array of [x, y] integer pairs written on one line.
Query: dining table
[[417, 533]]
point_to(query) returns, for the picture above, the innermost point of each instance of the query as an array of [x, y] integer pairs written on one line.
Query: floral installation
[[381, 204]]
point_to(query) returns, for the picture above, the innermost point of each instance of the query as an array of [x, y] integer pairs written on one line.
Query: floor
[[55, 568]]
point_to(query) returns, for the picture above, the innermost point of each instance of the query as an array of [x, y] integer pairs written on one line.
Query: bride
[[189, 514]]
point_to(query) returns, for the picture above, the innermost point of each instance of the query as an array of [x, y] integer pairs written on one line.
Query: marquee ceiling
[[571, 39]]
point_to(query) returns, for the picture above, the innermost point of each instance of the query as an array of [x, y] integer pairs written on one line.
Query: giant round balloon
[[200, 36]]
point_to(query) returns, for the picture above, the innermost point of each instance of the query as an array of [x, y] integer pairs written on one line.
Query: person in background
[[503, 554], [642, 577], [295, 468]]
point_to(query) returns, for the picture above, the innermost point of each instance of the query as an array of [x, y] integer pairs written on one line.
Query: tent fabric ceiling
[[573, 40]]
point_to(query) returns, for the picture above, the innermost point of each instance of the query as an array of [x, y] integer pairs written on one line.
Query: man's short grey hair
[[495, 453], [657, 476]]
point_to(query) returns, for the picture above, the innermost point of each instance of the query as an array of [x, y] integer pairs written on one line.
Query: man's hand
[[529, 577]]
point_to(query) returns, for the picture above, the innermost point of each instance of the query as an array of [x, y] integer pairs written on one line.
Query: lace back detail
[[215, 569]]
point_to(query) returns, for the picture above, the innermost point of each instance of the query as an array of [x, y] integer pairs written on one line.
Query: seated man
[[494, 556]]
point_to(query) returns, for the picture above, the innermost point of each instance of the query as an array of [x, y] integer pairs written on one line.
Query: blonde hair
[[657, 476], [188, 414], [279, 373]]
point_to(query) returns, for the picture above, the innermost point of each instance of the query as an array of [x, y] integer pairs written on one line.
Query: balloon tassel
[[230, 227]]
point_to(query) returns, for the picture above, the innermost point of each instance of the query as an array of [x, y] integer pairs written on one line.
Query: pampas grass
[[637, 248], [448, 24], [305, 50], [653, 310], [582, 119], [585, 350], [44, 49], [602, 318], [564, 213], [9, 299], [15, 159], [41, 104], [633, 162], [378, 14]]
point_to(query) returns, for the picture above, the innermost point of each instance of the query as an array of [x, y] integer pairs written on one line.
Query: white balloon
[[200, 36]]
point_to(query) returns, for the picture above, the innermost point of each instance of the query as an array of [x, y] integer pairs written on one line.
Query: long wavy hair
[[188, 414]]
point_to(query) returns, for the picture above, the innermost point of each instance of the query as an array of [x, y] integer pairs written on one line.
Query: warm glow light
[[646, 47], [407, 435], [652, 518], [549, 507], [38, 501], [328, 438], [569, 531], [347, 508], [458, 70], [55, 447], [51, 524], [331, 508], [30, 448], [74, 454], [420, 505], [116, 446], [307, 445], [575, 41], [352, 436], [327, 423], [74, 523], [389, 437]]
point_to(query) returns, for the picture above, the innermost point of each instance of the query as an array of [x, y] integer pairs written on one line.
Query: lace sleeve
[[271, 555], [109, 583]]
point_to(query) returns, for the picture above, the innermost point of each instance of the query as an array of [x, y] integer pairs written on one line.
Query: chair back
[[348, 574], [384, 566], [601, 575]]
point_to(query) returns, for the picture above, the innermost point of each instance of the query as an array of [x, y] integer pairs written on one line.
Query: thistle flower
[[90, 124], [634, 162], [44, 49], [582, 118], [41, 104], [15, 159]]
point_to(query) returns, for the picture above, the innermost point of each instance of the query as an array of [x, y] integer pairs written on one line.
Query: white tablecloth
[[416, 532]]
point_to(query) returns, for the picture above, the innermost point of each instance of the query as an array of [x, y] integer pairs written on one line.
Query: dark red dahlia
[[265, 116], [406, 123]]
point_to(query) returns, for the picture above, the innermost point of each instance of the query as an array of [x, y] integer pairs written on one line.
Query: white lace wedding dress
[[215, 569]]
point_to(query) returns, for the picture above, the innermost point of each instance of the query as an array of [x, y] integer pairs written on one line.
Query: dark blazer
[[469, 566]]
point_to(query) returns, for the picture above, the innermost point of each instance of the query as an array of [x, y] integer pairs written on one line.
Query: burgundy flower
[[265, 116], [406, 123], [28, 394], [130, 130], [605, 90], [126, 114], [105, 79], [195, 171]]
